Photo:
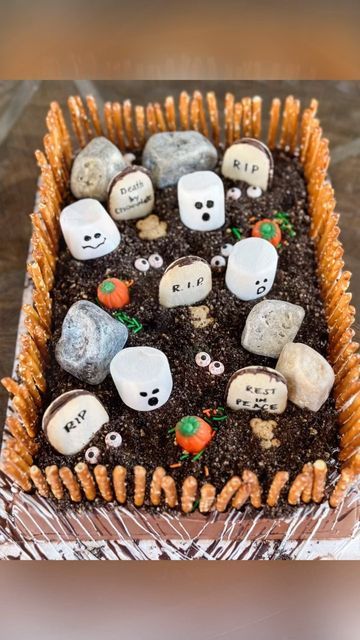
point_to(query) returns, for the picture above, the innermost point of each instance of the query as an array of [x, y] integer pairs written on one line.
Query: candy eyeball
[[218, 262], [156, 261], [202, 359], [216, 368], [141, 264], [113, 439], [233, 194], [226, 249], [92, 455], [253, 192]]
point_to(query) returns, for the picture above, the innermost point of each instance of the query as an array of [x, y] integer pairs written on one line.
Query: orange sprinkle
[[175, 465], [206, 470], [207, 412]]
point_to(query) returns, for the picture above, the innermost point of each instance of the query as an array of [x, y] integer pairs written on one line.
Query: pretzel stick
[[140, 485], [127, 111], [21, 393], [194, 115], [94, 114], [103, 482], [207, 497], [307, 491], [347, 413], [20, 434], [65, 136], [241, 496], [256, 116], [297, 487], [39, 225], [279, 481], [247, 117], [252, 481], [28, 381], [285, 121], [343, 398], [319, 482], [118, 124], [229, 118], [86, 480], [83, 117], [169, 488], [76, 121], [354, 464], [350, 449], [150, 118], [237, 120], [10, 455], [160, 120], [347, 478], [20, 449], [227, 493], [119, 483], [28, 361], [155, 486], [16, 474], [274, 122], [293, 125], [70, 483], [53, 479], [109, 122], [348, 436], [140, 124], [188, 496], [184, 101], [170, 113], [202, 117], [39, 481], [214, 116], [351, 422], [348, 350]]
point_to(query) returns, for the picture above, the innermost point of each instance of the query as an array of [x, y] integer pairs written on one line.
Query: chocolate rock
[[88, 230], [131, 194], [94, 167], [251, 268], [72, 420], [257, 389], [90, 338], [201, 201], [170, 155], [249, 160], [186, 281], [142, 377], [270, 325], [309, 376]]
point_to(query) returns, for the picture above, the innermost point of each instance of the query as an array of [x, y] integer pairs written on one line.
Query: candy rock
[[186, 281], [88, 230], [94, 167], [142, 377], [71, 421], [251, 268], [201, 201], [309, 376], [257, 389], [270, 325], [249, 160], [170, 155], [89, 340], [131, 194]]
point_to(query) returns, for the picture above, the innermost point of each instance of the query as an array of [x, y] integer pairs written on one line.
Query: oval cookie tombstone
[[185, 282], [257, 389], [249, 160], [72, 420], [131, 194]]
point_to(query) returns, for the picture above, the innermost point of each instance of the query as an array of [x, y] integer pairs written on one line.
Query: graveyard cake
[[189, 345]]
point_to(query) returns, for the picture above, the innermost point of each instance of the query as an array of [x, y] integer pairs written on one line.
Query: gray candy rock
[[270, 325], [94, 167], [170, 155], [90, 338]]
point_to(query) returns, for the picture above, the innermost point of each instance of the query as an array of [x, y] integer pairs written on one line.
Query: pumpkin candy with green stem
[[114, 293], [268, 230], [193, 434]]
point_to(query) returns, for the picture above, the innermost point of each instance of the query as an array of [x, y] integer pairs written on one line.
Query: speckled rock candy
[[270, 325], [89, 340], [308, 375], [170, 155], [94, 167]]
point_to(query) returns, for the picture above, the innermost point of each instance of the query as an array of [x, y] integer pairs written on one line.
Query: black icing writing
[[258, 404], [134, 202], [190, 285], [133, 187], [245, 166], [260, 391], [72, 424]]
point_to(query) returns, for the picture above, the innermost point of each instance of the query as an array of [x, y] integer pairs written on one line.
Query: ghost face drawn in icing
[[88, 230]]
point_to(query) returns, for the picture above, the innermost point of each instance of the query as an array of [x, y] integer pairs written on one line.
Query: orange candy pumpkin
[[113, 293], [193, 434], [268, 230]]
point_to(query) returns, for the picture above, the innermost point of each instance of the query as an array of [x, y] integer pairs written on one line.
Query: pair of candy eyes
[[155, 261], [203, 359], [144, 393], [209, 204], [252, 192], [112, 439], [219, 261], [96, 235]]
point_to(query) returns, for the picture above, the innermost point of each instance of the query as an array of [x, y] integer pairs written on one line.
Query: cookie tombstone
[[257, 389], [72, 420], [201, 201], [249, 160], [142, 377], [185, 282], [88, 230], [131, 194], [251, 268]]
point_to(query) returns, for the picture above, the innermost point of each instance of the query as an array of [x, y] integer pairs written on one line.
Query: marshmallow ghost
[[249, 160], [251, 268], [88, 230], [142, 377], [201, 201]]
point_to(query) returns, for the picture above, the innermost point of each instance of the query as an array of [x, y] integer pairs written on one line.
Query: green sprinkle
[[198, 455], [236, 232], [184, 456], [196, 504], [171, 430], [219, 418]]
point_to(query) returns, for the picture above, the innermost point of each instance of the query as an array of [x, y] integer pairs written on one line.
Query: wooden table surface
[[23, 106]]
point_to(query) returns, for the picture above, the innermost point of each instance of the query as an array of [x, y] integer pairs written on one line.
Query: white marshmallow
[[251, 268], [201, 201], [142, 377], [88, 230]]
